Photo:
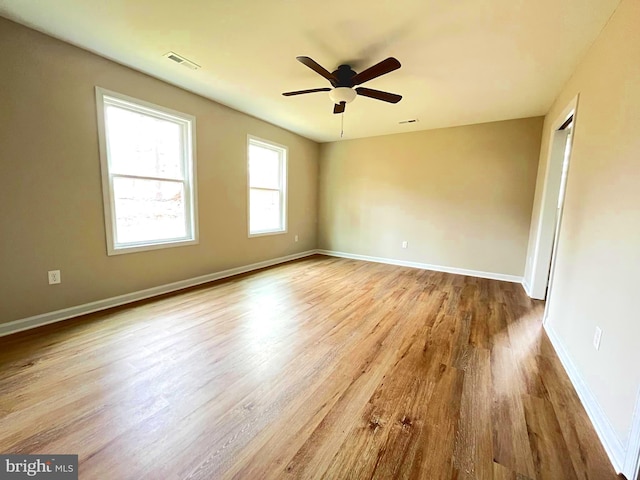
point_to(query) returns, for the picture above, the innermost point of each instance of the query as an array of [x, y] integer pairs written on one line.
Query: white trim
[[425, 266], [187, 124], [64, 314], [266, 233], [631, 467], [526, 286], [608, 437], [541, 250]]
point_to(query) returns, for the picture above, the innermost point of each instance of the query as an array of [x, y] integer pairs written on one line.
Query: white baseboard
[[526, 286], [608, 437], [631, 468], [64, 314], [425, 266]]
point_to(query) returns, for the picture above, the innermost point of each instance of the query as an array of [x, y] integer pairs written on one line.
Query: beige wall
[[598, 262], [461, 197], [51, 214]]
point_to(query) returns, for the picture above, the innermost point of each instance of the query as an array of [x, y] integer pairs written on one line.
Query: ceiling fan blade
[[301, 92], [379, 95], [319, 69], [339, 107], [385, 66]]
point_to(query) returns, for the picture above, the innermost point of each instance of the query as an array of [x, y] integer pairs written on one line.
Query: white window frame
[[188, 126], [283, 152]]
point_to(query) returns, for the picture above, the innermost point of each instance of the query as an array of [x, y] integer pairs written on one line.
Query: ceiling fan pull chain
[[342, 125]]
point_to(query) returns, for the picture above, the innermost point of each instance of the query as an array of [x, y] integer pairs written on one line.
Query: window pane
[[143, 145], [148, 210], [264, 210], [264, 167]]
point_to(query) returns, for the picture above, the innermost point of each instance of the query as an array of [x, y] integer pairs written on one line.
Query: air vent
[[181, 60], [413, 120]]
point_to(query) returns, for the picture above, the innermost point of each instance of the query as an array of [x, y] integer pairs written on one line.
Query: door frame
[[547, 220]]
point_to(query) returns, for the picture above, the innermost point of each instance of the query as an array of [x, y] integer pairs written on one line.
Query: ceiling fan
[[344, 79]]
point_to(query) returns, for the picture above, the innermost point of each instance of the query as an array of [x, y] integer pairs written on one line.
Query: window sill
[[152, 246], [270, 232]]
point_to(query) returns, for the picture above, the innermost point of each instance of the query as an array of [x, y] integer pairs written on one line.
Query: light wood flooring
[[319, 368]]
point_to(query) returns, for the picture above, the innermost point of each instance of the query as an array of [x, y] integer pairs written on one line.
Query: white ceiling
[[463, 61]]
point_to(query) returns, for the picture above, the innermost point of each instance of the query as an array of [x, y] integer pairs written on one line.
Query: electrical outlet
[[596, 338], [54, 277], [405, 244], [296, 238]]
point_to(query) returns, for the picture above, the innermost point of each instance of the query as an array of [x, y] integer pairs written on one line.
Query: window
[[267, 187], [148, 174]]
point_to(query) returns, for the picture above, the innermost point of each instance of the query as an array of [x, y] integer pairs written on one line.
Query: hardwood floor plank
[[473, 456], [502, 473], [511, 446], [434, 447], [551, 457], [525, 339], [479, 326], [319, 368], [585, 451]]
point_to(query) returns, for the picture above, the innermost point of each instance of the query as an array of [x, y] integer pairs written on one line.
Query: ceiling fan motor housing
[[345, 75]]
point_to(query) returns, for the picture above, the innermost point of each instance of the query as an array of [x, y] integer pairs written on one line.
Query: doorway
[[565, 134], [540, 275]]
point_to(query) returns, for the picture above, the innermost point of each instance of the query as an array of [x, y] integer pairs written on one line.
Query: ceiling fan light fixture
[[344, 79], [342, 94]]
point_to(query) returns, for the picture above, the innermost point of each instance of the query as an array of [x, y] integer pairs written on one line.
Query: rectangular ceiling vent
[[181, 60]]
